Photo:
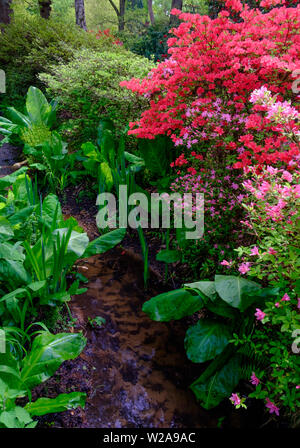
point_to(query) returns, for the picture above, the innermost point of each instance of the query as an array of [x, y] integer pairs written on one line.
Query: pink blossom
[[272, 408], [285, 298], [254, 380], [277, 304], [235, 399], [255, 251], [260, 315], [287, 176], [271, 251], [244, 268], [298, 306], [225, 263]]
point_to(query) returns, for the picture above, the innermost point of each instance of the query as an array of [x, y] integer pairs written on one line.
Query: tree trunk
[[120, 13], [151, 14], [5, 11], [176, 4], [45, 8], [80, 14], [121, 16]]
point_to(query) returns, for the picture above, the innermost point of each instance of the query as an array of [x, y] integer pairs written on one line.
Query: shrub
[[202, 91], [88, 89], [153, 43], [30, 46]]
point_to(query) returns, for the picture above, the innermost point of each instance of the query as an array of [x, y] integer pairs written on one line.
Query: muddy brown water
[[139, 374]]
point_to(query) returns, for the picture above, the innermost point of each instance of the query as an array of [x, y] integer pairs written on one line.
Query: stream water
[[140, 373]]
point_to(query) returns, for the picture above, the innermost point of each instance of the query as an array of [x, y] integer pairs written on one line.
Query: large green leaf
[[63, 402], [21, 215], [221, 308], [204, 287], [11, 252], [17, 117], [219, 386], [51, 208], [234, 290], [6, 231], [47, 353], [172, 305], [10, 179], [17, 417], [14, 271], [104, 243], [205, 340], [168, 256], [105, 173], [78, 242], [37, 106], [10, 376]]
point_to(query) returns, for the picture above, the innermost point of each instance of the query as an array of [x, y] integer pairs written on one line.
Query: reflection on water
[[141, 374]]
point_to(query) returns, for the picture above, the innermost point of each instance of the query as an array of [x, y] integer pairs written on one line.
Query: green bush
[[30, 46], [153, 43], [88, 90]]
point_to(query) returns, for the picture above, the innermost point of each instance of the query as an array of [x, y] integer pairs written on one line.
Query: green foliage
[[29, 46], [231, 300], [34, 126], [276, 340], [157, 154], [153, 43], [88, 88], [38, 249], [19, 376], [172, 305]]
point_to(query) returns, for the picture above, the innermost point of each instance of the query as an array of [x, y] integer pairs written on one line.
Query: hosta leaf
[[219, 386], [63, 402], [234, 290], [205, 340], [104, 243], [14, 271], [47, 353], [172, 305], [6, 231], [50, 207], [10, 179], [205, 287]]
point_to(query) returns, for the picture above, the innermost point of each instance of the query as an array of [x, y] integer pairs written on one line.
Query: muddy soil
[[9, 156]]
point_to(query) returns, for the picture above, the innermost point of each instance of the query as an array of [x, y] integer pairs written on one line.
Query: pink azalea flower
[[277, 304], [255, 251], [287, 176], [225, 263], [244, 268], [235, 399], [272, 408], [260, 315], [254, 380], [285, 298], [298, 306], [271, 251]]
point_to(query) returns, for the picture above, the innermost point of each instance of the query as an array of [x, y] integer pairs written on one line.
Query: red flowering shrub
[[107, 34], [202, 91]]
